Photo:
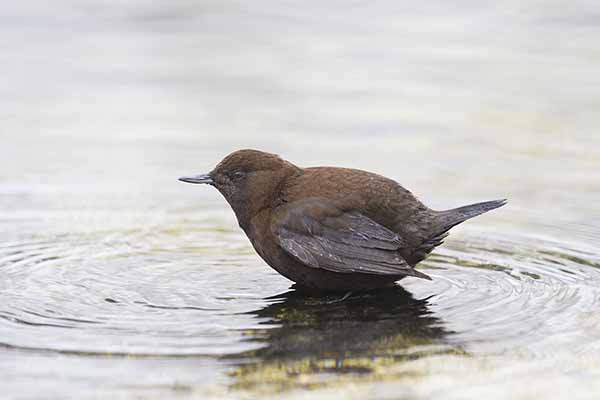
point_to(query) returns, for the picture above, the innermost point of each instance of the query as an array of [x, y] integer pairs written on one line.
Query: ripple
[[124, 293], [514, 291], [193, 289]]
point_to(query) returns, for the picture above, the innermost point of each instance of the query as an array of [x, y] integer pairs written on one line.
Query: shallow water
[[118, 281]]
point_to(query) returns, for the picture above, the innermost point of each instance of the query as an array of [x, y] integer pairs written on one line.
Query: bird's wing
[[320, 235]]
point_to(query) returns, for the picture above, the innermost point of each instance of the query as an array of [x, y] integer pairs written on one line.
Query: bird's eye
[[238, 174]]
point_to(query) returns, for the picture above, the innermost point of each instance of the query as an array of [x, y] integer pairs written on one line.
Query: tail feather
[[449, 218], [443, 221]]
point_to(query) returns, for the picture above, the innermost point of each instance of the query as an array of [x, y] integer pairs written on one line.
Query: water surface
[[117, 281]]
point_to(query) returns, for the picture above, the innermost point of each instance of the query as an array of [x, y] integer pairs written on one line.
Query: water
[[117, 281]]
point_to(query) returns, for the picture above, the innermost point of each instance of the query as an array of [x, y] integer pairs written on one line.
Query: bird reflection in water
[[318, 340]]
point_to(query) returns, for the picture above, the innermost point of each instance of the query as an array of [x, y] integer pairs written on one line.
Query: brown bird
[[331, 228]]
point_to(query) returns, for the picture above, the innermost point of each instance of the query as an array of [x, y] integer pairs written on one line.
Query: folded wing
[[320, 235]]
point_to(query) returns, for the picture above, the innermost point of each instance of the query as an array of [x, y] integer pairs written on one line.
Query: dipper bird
[[331, 228]]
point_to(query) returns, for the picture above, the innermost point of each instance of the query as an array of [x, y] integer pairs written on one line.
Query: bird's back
[[377, 197]]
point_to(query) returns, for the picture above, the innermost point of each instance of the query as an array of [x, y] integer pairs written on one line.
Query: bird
[[331, 228]]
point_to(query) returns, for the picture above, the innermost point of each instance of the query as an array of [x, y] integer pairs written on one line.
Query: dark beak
[[204, 178]]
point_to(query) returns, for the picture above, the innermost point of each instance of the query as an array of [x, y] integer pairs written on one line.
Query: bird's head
[[248, 179]]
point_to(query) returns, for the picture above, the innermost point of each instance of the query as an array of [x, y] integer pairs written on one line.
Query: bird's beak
[[203, 178]]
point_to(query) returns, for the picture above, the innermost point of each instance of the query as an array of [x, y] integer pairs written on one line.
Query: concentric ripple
[[186, 290], [502, 292], [130, 293]]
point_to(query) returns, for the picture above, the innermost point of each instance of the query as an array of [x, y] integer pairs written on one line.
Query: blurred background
[[103, 104]]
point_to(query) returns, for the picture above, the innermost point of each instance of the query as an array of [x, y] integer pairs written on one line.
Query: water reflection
[[321, 339]]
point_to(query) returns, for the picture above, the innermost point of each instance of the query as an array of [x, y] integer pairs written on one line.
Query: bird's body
[[331, 228], [342, 189]]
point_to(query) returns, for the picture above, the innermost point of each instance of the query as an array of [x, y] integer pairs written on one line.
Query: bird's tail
[[449, 218]]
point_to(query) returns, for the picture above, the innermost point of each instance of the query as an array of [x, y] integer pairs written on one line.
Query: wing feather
[[319, 235]]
